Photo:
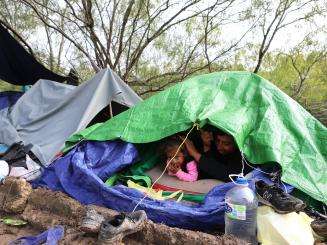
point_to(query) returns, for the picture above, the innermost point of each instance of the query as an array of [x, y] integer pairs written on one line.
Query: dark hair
[[197, 140], [220, 132], [168, 144]]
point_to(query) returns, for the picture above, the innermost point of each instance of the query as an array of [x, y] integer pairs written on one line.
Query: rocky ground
[[43, 209]]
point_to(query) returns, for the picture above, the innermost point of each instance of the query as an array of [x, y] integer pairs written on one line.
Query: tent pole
[[110, 110]]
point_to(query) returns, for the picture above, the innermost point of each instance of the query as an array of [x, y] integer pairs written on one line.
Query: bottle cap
[[241, 181]]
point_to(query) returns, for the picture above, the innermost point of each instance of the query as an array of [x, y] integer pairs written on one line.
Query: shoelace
[[275, 176], [267, 195], [131, 219], [280, 193]]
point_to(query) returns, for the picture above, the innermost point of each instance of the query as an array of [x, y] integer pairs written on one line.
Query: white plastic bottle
[[4, 170], [241, 212]]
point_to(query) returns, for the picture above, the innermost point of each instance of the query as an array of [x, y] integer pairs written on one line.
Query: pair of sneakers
[[112, 231], [280, 201]]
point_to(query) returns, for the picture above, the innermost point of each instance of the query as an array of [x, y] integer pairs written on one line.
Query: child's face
[[178, 159]]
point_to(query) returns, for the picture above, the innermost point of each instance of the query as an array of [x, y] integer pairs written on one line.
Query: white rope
[[178, 149], [258, 169], [245, 161]]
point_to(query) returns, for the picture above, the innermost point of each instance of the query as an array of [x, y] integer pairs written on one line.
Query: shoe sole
[[263, 201], [89, 229], [321, 234], [300, 207]]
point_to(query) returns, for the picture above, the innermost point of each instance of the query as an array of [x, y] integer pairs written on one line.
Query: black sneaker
[[280, 201], [319, 226]]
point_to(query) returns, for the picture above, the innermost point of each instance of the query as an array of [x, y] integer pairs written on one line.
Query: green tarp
[[267, 124]]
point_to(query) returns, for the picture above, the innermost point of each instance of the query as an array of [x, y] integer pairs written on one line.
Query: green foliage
[[177, 53], [4, 86], [280, 70], [19, 17]]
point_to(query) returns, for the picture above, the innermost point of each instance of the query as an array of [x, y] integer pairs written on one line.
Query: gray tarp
[[48, 113]]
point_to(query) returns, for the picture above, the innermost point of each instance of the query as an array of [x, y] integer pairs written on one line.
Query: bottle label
[[235, 211]]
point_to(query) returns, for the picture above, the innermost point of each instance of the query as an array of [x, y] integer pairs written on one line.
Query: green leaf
[[13, 222]]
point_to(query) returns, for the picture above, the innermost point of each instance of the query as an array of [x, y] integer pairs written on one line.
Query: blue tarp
[[9, 98], [49, 237], [3, 148], [82, 171]]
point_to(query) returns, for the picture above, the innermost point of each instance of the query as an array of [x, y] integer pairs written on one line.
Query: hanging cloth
[[19, 67]]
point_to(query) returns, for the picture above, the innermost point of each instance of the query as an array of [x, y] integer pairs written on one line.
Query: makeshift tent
[[268, 125], [82, 171], [19, 67], [49, 112]]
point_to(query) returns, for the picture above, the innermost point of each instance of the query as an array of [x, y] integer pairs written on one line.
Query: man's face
[[225, 144]]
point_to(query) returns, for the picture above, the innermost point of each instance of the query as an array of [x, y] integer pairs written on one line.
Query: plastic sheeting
[[19, 67], [49, 112], [9, 98], [51, 236], [82, 172], [3, 148], [268, 125]]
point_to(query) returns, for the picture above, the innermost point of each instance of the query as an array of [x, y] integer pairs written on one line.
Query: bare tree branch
[[283, 10], [121, 35], [43, 19], [18, 36], [303, 74]]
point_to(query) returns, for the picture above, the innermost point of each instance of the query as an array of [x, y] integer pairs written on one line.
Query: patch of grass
[[4, 86]]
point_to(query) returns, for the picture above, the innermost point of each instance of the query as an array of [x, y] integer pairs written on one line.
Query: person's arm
[[212, 168], [192, 151], [192, 172], [208, 165]]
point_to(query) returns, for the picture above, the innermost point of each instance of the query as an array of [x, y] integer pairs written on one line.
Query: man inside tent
[[225, 159], [219, 161]]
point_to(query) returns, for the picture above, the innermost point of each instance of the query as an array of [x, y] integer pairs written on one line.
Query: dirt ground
[[10, 233], [75, 237], [72, 236], [43, 209]]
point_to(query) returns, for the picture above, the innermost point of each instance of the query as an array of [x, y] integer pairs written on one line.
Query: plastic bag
[[292, 228]]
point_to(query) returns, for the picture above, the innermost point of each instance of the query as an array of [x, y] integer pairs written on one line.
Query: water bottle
[[4, 170], [241, 212]]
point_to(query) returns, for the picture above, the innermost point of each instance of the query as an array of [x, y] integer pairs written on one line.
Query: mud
[[43, 209], [10, 233], [14, 194]]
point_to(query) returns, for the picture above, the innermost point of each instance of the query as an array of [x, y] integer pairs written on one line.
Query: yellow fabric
[[292, 228], [154, 193]]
